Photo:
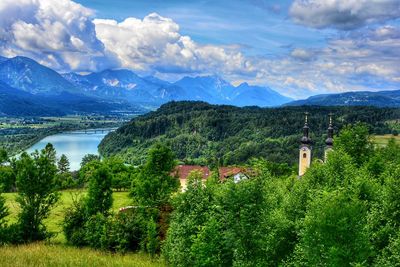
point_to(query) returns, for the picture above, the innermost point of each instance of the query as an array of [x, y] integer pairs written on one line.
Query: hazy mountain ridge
[[72, 92], [125, 84], [50, 92], [365, 98]]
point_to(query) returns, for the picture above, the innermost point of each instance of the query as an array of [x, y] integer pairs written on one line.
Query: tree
[[63, 164], [3, 156], [355, 141], [89, 158], [122, 174], [99, 197], [334, 232], [3, 214], [3, 211], [36, 192], [7, 179], [50, 152], [64, 176], [154, 183]]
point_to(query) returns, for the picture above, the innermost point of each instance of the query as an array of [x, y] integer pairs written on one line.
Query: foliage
[[64, 176], [3, 214], [3, 156], [121, 173], [340, 213], [354, 140], [89, 158], [7, 179], [63, 164], [200, 133], [36, 192], [154, 183], [99, 198], [73, 224], [85, 222], [333, 232]]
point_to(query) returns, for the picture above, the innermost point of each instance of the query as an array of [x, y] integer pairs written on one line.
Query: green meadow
[[57, 255], [55, 252]]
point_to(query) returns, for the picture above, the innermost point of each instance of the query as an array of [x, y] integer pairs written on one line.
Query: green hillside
[[202, 133]]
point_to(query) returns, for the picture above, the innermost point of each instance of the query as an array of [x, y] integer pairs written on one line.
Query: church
[[305, 151]]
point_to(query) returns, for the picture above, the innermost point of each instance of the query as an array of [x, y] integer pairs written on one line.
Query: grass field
[[55, 252], [40, 254], [57, 214], [382, 140]]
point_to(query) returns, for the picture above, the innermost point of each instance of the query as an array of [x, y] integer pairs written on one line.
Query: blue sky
[[261, 27], [297, 47]]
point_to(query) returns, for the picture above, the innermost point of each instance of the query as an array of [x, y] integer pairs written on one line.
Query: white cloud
[[59, 34], [155, 43], [361, 60], [63, 35], [343, 14]]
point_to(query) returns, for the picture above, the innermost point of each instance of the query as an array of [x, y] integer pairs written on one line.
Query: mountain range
[[365, 98], [29, 88]]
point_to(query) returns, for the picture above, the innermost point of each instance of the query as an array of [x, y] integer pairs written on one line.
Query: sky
[[297, 47]]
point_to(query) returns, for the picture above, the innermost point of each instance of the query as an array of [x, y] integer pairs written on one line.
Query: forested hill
[[202, 133]]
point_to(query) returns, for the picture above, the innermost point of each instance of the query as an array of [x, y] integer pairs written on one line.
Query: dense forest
[[225, 135]]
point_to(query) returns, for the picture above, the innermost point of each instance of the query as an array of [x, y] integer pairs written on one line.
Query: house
[[183, 172], [237, 173]]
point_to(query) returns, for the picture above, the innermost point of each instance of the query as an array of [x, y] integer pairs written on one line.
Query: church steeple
[[305, 140], [305, 148], [329, 139]]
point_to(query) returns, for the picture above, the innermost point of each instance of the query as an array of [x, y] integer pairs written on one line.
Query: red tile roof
[[184, 170], [226, 172]]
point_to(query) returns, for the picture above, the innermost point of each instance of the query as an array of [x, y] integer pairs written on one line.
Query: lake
[[75, 145]]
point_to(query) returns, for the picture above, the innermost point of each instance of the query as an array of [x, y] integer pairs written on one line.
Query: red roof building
[[183, 172]]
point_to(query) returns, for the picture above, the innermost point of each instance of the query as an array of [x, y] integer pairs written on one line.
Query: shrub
[[74, 222]]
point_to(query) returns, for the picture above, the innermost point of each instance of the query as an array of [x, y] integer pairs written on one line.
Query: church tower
[[305, 149], [329, 140]]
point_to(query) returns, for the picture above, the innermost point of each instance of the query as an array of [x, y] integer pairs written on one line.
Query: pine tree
[[63, 164]]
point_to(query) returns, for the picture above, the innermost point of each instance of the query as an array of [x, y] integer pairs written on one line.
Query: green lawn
[[40, 254], [382, 140], [57, 214]]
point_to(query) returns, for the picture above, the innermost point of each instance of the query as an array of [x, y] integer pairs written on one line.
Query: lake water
[[75, 145]]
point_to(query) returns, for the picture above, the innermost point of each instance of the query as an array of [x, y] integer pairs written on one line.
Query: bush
[[74, 222], [126, 233], [96, 231]]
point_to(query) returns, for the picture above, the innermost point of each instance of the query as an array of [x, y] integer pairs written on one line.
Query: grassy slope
[[57, 214], [56, 253], [40, 254]]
